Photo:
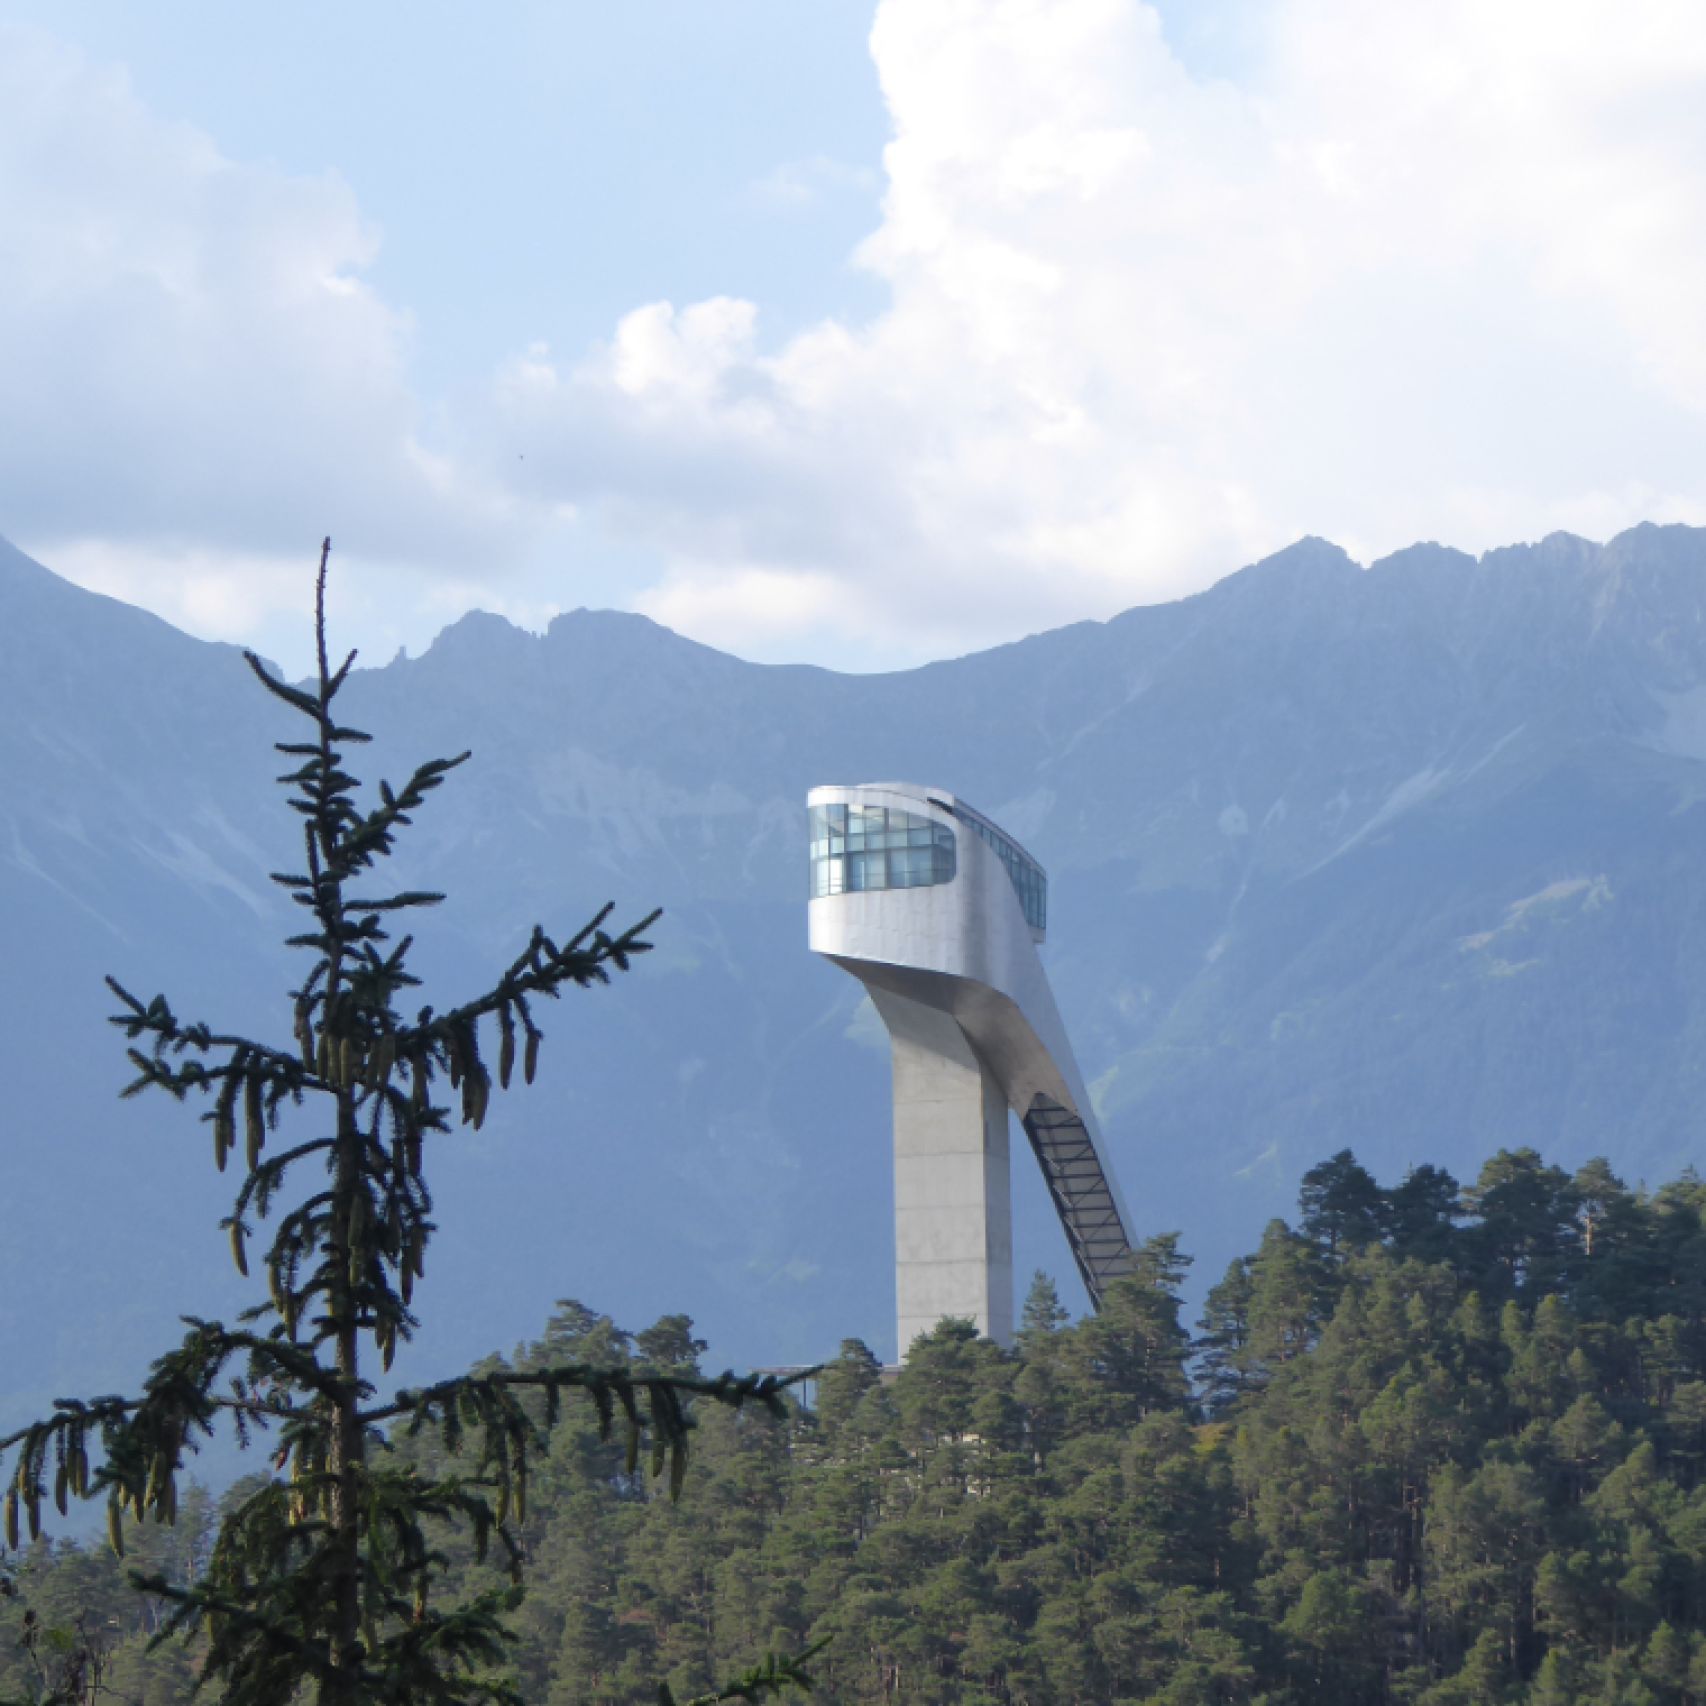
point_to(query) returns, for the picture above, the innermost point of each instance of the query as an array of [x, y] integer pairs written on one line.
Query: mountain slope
[[1404, 859]]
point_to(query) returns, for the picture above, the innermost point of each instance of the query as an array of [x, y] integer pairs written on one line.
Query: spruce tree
[[1043, 1312], [323, 1577]]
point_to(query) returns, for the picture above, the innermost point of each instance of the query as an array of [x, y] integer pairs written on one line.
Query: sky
[[842, 332]]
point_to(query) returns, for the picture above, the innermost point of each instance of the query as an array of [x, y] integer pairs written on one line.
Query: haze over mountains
[[1405, 859]]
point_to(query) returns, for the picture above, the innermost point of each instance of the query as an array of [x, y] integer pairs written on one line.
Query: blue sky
[[537, 175], [850, 332]]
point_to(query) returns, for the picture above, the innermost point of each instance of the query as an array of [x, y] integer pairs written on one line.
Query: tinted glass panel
[[877, 847], [1026, 874], [880, 847]]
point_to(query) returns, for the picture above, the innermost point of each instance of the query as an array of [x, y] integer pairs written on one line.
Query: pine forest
[[1431, 1444]]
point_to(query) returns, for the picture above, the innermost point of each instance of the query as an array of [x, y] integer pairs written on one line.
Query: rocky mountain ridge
[[1403, 858]]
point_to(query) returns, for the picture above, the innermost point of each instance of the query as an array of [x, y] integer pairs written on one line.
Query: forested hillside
[[1442, 1445]]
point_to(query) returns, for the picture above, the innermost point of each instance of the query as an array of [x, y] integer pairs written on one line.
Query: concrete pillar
[[953, 1217]]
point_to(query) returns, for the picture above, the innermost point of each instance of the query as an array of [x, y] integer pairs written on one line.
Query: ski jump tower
[[939, 914]]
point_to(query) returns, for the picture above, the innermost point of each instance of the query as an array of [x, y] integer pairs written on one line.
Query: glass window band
[[860, 848], [863, 848], [1024, 872]]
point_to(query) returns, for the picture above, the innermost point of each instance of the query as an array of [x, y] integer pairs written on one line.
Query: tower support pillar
[[952, 1176]]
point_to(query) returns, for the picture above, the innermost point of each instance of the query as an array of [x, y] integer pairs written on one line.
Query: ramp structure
[[939, 913]]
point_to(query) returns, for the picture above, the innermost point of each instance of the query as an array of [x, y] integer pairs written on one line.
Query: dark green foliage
[[1462, 1481], [1340, 1207], [1526, 1234], [322, 1577], [1421, 1214]]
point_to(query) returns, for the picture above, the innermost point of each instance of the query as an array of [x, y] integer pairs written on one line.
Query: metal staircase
[[1073, 1172]]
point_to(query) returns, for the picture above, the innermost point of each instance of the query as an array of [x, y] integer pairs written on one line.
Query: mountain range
[[1405, 859]]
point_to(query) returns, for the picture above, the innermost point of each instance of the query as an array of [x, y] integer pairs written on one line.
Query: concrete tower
[[939, 914]]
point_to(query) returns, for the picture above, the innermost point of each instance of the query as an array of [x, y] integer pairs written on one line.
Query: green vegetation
[[321, 1578], [1444, 1447]]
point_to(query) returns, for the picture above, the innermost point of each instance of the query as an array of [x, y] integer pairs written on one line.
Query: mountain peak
[[583, 618], [1425, 555], [480, 634], [1310, 565], [1310, 550]]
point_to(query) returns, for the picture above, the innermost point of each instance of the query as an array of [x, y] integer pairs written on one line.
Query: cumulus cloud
[[193, 361], [1411, 271], [1422, 271]]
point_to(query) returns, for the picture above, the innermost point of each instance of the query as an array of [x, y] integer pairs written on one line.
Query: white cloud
[[219, 593], [262, 599], [1424, 271], [1419, 271], [751, 606], [192, 359], [797, 185]]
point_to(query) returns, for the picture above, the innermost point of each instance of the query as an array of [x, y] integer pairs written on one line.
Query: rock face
[[1406, 859]]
